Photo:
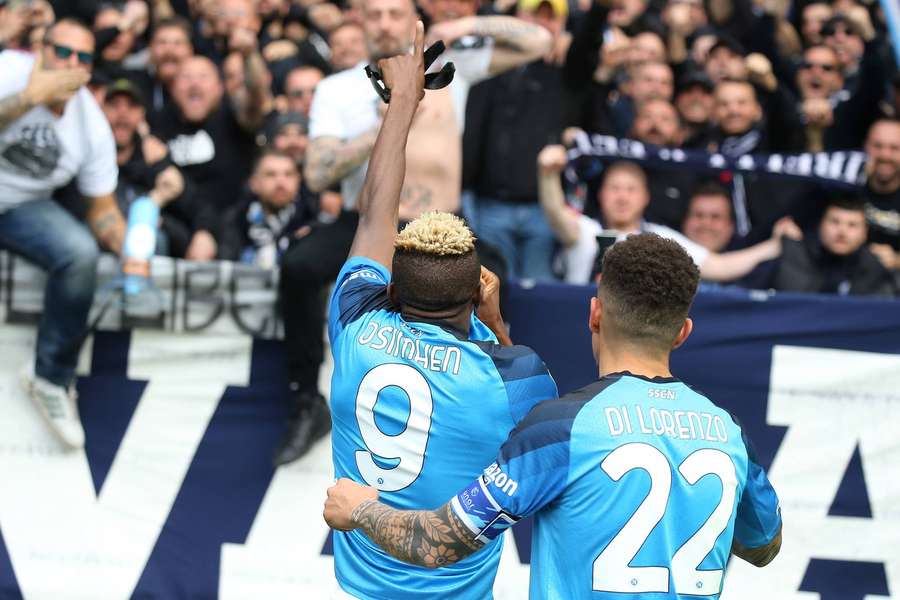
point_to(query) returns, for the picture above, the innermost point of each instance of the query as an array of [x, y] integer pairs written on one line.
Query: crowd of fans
[[249, 123]]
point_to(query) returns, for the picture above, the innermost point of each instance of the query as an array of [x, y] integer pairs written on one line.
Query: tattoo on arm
[[252, 99], [330, 160], [421, 537], [13, 107], [107, 223]]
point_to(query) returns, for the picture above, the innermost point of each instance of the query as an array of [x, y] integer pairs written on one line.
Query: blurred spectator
[[170, 45], [695, 102], [299, 87], [725, 60], [23, 25], [211, 137], [709, 220], [117, 32], [506, 211], [261, 228], [814, 16], [835, 259], [145, 170], [51, 132], [843, 35], [742, 125], [658, 123], [883, 191], [622, 197], [348, 46], [345, 118]]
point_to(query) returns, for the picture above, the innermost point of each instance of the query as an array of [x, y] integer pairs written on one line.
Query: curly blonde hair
[[438, 234]]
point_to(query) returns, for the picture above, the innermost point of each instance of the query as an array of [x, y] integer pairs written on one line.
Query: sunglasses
[[824, 66], [300, 92], [64, 52], [830, 30]]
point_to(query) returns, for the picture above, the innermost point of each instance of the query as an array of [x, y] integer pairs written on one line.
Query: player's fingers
[[420, 42]]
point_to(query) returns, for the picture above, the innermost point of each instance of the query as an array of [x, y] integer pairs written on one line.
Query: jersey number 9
[[408, 446]]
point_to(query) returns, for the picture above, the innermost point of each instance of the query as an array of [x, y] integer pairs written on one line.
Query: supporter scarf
[[842, 169]]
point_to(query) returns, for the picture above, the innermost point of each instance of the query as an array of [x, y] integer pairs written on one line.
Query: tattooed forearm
[[329, 160], [107, 223], [253, 99], [13, 107], [426, 538]]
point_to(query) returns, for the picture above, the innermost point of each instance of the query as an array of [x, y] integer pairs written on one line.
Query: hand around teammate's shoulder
[[404, 74]]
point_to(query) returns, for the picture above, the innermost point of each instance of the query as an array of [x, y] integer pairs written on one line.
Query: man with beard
[[52, 132], [145, 170], [837, 117], [345, 119], [211, 136], [170, 44], [883, 191], [258, 230], [658, 123]]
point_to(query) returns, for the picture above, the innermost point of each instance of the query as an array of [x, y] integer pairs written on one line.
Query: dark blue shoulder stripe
[[550, 422], [359, 298], [513, 362]]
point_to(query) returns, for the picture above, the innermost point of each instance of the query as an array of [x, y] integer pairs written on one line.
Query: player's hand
[[343, 498], [53, 86], [552, 160], [404, 75], [169, 184], [489, 298]]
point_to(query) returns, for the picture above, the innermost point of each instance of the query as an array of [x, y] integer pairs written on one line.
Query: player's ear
[[686, 328], [596, 315], [392, 294]]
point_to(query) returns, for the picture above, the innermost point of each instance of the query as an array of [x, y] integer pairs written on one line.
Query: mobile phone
[[605, 241]]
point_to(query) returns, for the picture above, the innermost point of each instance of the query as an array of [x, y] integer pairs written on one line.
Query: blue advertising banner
[[175, 495]]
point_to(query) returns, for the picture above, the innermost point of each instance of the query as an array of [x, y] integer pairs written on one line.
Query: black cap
[[125, 87], [723, 40], [695, 77]]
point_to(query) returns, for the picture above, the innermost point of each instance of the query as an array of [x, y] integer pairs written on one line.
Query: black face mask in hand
[[433, 81]]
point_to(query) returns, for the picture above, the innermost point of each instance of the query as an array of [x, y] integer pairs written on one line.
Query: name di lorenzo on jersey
[[677, 424]]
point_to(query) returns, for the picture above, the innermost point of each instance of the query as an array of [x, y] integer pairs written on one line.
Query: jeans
[[42, 232], [521, 233]]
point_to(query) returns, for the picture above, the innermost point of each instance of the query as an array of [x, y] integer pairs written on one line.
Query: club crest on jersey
[[494, 475]]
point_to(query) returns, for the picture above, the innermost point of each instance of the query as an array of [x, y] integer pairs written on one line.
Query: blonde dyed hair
[[437, 234]]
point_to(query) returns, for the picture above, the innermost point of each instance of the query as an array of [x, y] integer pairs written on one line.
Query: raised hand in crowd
[[203, 247], [817, 113], [53, 87], [135, 17], [12, 23], [786, 227], [326, 17], [169, 185], [552, 160], [886, 256], [759, 71]]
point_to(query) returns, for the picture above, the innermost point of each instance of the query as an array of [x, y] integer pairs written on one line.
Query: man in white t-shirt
[[52, 131], [344, 122], [623, 196]]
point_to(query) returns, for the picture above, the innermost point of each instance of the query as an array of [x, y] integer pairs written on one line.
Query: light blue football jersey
[[639, 486], [418, 410]]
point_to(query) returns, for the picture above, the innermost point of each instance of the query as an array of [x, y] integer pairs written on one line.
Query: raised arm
[[329, 159], [563, 222], [427, 538], [379, 200], [516, 42], [734, 265], [253, 99]]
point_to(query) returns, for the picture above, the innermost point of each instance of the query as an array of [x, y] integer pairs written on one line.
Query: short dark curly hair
[[647, 288]]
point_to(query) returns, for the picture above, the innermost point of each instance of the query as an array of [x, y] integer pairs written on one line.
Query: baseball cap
[[125, 87], [695, 77], [560, 7]]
